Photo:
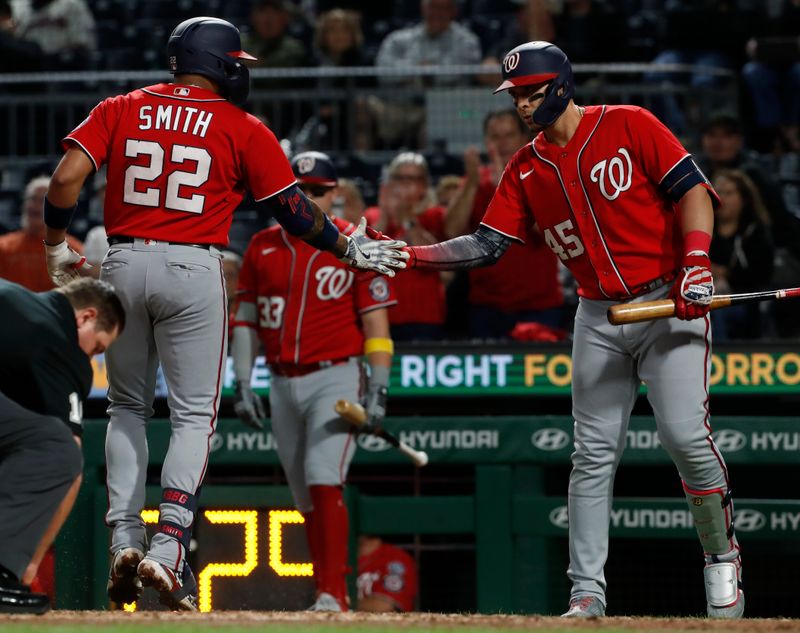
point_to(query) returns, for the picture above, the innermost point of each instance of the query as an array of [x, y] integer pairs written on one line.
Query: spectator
[[16, 55], [350, 202], [338, 42], [63, 29], [741, 253], [497, 301], [722, 145], [387, 576], [772, 75], [21, 252], [269, 41], [406, 211], [689, 40], [436, 41]]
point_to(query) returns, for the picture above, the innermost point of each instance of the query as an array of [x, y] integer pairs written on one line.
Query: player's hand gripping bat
[[624, 313], [354, 413]]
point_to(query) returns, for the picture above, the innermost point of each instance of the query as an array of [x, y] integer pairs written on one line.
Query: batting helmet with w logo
[[536, 63]]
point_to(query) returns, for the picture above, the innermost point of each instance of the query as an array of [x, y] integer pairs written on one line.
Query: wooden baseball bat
[[624, 313], [354, 413]]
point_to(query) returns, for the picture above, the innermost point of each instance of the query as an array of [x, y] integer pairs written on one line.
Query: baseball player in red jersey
[[387, 576], [622, 204], [315, 318], [180, 157]]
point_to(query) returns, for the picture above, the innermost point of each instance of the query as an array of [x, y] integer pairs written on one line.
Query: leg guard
[[712, 511]]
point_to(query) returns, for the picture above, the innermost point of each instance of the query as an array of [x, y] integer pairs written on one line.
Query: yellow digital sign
[[248, 519]]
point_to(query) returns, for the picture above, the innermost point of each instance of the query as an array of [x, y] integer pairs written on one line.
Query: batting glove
[[248, 405], [375, 406], [63, 263], [381, 255], [694, 289]]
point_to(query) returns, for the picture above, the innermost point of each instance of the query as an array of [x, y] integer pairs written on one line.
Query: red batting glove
[[412, 257], [694, 287]]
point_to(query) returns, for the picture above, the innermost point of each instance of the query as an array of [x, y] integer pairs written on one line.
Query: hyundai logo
[[730, 441], [372, 443], [550, 439], [748, 520], [217, 442], [560, 517]]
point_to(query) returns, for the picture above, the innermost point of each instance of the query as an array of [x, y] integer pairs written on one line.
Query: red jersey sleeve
[[93, 135], [267, 170], [508, 212], [656, 146], [373, 292]]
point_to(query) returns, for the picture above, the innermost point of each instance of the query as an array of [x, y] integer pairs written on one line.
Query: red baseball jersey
[[597, 201], [420, 293], [308, 302], [389, 572], [499, 286], [179, 161]]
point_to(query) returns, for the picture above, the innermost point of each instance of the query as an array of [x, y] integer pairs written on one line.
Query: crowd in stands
[[422, 193]]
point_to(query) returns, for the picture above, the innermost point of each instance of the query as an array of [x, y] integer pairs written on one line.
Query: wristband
[[696, 241], [57, 217], [378, 345]]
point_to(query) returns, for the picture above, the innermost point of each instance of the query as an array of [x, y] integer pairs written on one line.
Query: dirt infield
[[281, 620]]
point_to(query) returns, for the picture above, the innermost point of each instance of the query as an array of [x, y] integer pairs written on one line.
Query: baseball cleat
[[326, 602], [178, 590], [124, 585], [585, 607], [724, 593]]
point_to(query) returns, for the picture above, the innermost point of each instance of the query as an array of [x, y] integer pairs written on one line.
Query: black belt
[[127, 239]]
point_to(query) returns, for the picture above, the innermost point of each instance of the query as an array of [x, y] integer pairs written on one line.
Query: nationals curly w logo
[[333, 282], [613, 175], [511, 62]]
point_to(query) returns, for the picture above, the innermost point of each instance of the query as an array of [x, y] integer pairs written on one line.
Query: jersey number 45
[[566, 246]]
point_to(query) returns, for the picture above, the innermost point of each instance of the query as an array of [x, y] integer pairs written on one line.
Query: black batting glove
[[374, 404], [248, 406]]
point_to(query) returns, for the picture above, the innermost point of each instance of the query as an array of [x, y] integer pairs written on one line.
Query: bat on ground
[[354, 413], [624, 313]]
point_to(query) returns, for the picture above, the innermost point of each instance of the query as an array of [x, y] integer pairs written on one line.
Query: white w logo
[[333, 282], [618, 175]]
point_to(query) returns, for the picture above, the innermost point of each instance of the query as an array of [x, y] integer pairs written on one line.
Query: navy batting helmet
[[535, 63], [314, 168], [212, 48]]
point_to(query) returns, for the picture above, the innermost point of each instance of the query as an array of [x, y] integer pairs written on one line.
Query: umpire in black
[[46, 342]]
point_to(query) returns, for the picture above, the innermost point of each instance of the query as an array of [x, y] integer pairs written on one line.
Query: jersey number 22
[[151, 196]]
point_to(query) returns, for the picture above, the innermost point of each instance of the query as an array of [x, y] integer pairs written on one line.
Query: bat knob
[[422, 458]]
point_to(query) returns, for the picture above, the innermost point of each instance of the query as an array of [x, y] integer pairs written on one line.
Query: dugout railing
[[515, 511]]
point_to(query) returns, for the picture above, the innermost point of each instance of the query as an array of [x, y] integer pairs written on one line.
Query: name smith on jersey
[[186, 119]]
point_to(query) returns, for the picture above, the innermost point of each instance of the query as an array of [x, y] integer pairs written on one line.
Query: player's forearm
[[697, 211], [62, 194], [378, 345], [244, 344], [481, 248]]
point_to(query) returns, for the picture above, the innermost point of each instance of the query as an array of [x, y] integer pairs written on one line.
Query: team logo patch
[[614, 175], [396, 567], [511, 62], [306, 164], [394, 583], [379, 289], [181, 92]]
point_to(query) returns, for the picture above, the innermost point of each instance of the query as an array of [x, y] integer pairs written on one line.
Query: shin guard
[[712, 511]]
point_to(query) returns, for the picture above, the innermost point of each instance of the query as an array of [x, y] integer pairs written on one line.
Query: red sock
[[309, 525], [329, 535]]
